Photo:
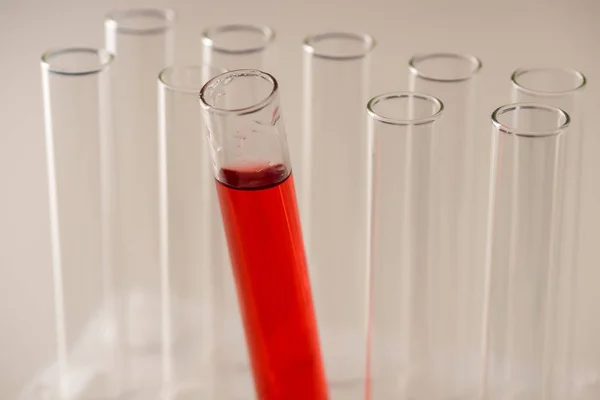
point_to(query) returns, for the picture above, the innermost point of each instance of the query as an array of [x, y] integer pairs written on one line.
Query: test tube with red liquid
[[256, 192]]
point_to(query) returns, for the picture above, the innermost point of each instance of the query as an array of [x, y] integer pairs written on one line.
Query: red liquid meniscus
[[260, 214]]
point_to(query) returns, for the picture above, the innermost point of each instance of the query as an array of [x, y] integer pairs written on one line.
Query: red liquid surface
[[265, 244]]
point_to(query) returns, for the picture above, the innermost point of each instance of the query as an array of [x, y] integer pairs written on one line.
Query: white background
[[504, 34]]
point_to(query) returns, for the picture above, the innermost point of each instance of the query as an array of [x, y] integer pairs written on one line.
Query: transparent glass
[[526, 341], [258, 204], [335, 212], [402, 363], [237, 46], [76, 83], [231, 47], [186, 182], [142, 41], [565, 88], [457, 251]]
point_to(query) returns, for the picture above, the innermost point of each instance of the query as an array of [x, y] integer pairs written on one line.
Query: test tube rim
[[180, 88], [114, 20], [514, 78], [104, 55], [245, 110], [412, 66], [529, 134], [267, 31], [405, 122], [308, 44]]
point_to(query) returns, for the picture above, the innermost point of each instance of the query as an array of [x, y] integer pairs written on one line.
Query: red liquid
[[265, 244]]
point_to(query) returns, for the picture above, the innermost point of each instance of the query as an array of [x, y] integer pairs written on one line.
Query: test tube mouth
[[238, 38], [262, 86], [141, 21], [339, 45], [530, 120], [187, 78], [405, 108], [444, 67], [548, 81], [76, 61]]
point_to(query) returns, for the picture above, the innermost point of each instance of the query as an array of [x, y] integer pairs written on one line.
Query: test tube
[[524, 349], [457, 296], [75, 83], [231, 47], [237, 46], [565, 88], [142, 41], [258, 205], [185, 185], [403, 129], [335, 211]]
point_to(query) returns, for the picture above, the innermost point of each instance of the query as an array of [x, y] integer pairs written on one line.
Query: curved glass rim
[[439, 110], [529, 106], [162, 78], [514, 78], [105, 59], [236, 74], [309, 44], [209, 41], [412, 66], [165, 15]]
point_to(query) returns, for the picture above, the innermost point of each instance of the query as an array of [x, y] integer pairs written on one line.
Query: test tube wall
[[185, 186], [457, 295], [402, 363], [565, 88], [76, 84], [525, 357], [335, 195], [231, 47], [142, 41]]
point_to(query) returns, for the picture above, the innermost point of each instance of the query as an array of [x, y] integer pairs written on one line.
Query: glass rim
[[439, 110], [414, 60], [514, 79], [214, 81], [166, 16], [105, 58], [166, 83], [308, 44], [209, 41], [542, 133]]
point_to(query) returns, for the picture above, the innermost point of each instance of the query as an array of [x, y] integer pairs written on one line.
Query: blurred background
[[504, 34]]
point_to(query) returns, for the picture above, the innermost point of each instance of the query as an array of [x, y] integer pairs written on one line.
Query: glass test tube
[[185, 185], [142, 41], [524, 342], [405, 146], [77, 122], [457, 296], [564, 88], [336, 82], [237, 46], [258, 204], [231, 47]]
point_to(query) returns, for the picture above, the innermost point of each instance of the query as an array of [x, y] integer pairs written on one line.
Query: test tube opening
[[405, 108], [339, 45], [187, 78], [530, 120], [238, 38], [141, 21], [76, 61], [548, 81], [445, 67], [241, 92]]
